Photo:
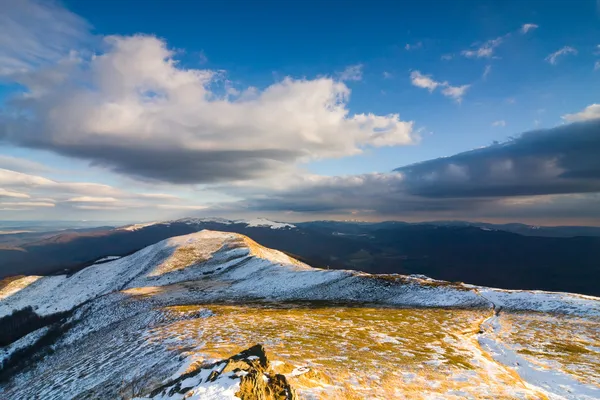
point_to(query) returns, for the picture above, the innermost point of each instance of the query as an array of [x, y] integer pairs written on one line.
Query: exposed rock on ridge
[[249, 372]]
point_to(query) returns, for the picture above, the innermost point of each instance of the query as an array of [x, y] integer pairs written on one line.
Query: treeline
[[24, 321], [24, 357]]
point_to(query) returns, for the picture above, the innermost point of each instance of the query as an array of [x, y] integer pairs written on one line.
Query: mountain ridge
[[456, 253], [127, 313], [248, 268]]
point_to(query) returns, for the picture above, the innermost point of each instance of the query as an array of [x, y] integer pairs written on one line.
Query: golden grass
[[352, 352], [568, 342]]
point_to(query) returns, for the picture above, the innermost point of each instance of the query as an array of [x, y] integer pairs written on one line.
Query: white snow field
[[141, 319]]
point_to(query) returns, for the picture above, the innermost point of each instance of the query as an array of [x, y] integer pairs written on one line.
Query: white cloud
[[486, 71], [486, 50], [26, 204], [446, 57], [415, 46], [99, 207], [455, 92], [133, 110], [158, 196], [34, 33], [499, 123], [424, 81], [553, 58], [91, 199], [33, 192], [12, 193], [14, 178], [597, 66], [528, 27], [590, 112], [387, 75], [427, 82], [352, 73]]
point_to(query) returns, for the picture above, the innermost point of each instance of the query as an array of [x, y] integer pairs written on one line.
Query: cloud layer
[[552, 172], [134, 110], [22, 192], [554, 161]]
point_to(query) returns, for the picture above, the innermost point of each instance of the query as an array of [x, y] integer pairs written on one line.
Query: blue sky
[[260, 42], [459, 75]]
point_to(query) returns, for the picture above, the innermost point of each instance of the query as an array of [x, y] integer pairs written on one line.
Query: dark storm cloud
[[565, 159]]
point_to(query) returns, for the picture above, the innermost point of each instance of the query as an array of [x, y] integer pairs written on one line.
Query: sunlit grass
[[556, 341], [351, 352]]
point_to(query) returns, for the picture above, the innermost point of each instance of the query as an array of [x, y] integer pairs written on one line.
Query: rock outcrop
[[246, 375]]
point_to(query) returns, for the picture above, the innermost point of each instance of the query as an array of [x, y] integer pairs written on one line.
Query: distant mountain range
[[512, 256]]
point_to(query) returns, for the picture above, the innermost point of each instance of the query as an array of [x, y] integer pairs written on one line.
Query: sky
[[147, 110]]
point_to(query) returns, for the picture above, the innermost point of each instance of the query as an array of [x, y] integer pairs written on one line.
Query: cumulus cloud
[[499, 123], [424, 81], [528, 27], [564, 51], [427, 82], [590, 112], [352, 73], [132, 109]]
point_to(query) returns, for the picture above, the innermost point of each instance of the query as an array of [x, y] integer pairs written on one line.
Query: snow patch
[[107, 258], [263, 222], [135, 227]]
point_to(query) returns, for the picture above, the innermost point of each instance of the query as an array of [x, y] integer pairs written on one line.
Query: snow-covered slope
[[111, 338], [231, 266]]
